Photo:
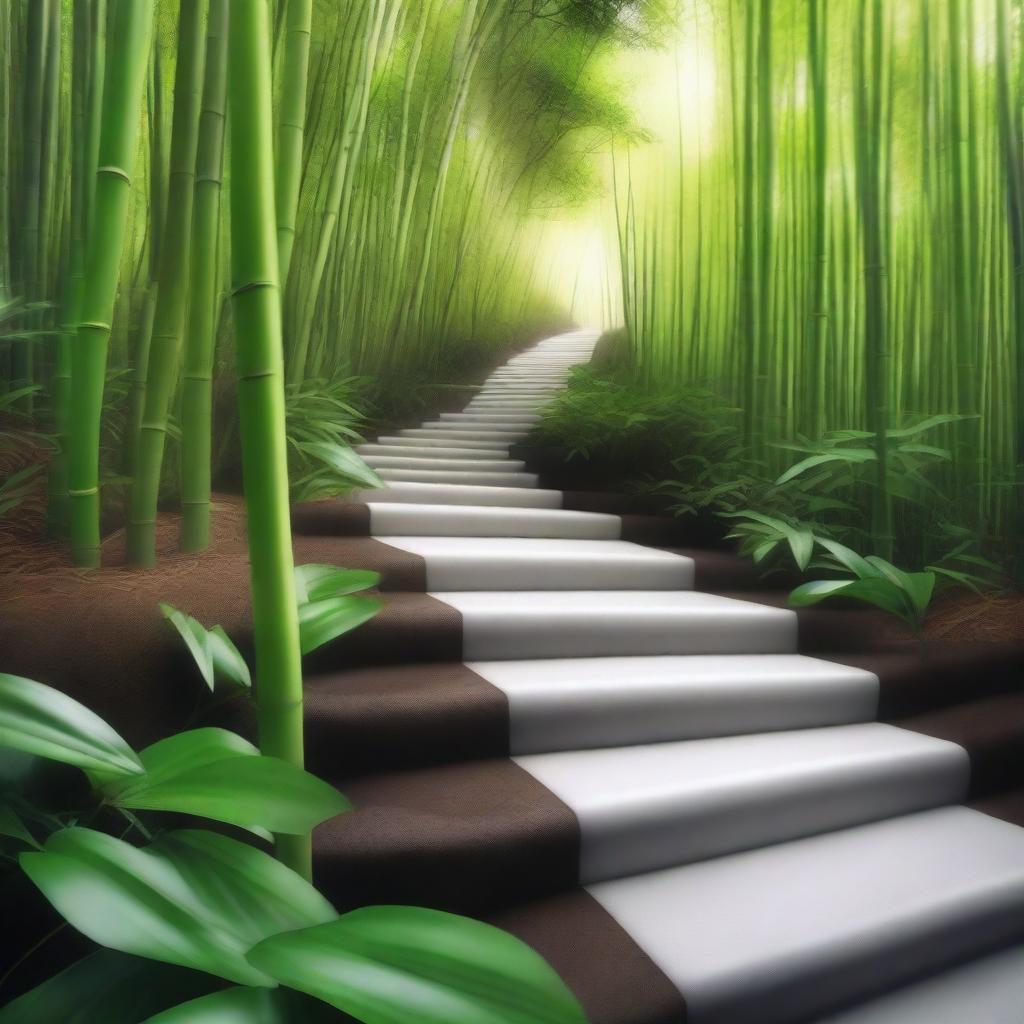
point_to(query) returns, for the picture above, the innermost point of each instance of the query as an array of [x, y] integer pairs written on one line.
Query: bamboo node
[[257, 375], [117, 172], [160, 428], [209, 179], [95, 325], [252, 286], [84, 493]]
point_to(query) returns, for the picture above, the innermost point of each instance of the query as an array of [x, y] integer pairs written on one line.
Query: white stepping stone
[[398, 519], [516, 563], [787, 932], [415, 451], [450, 476], [491, 417], [641, 808], [448, 442], [588, 623], [462, 465], [461, 494], [576, 703], [989, 990], [459, 437], [475, 426]]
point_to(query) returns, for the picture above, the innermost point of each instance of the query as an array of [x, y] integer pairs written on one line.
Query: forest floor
[[32, 566]]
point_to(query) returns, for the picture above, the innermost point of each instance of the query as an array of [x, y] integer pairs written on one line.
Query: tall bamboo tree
[[200, 338], [256, 302], [124, 80], [172, 284]]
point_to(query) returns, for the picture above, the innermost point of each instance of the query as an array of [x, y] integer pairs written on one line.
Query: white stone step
[[450, 476], [471, 427], [579, 703], [491, 417], [407, 449], [786, 933], [988, 990], [510, 405], [589, 623], [461, 494], [447, 442], [463, 465], [459, 437], [482, 521], [642, 808], [517, 563]]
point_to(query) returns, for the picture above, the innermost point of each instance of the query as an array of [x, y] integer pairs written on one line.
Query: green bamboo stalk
[[256, 302], [122, 99], [200, 338], [172, 284], [291, 124]]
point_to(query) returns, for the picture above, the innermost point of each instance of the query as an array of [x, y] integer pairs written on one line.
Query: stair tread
[[826, 919], [470, 563], [573, 703], [476, 520], [423, 492], [652, 805], [581, 623]]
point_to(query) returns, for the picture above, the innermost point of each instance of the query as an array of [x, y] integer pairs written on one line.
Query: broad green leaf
[[228, 663], [848, 558], [920, 587], [248, 790], [396, 965], [106, 987], [250, 1006], [318, 582], [38, 719], [875, 591], [195, 899], [322, 621], [967, 579], [217, 774], [763, 550], [931, 422], [343, 461], [13, 827], [215, 655], [817, 590], [839, 455]]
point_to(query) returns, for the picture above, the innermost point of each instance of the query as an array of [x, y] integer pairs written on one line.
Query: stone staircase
[[697, 803]]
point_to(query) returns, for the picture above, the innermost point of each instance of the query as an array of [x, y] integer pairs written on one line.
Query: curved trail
[[620, 749]]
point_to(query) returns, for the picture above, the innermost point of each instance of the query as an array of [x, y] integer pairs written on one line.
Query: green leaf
[[318, 582], [839, 455], [195, 899], [344, 462], [215, 774], [38, 719], [848, 558], [249, 1006], [874, 591], [106, 987], [323, 621], [394, 965], [930, 423], [13, 827], [215, 655]]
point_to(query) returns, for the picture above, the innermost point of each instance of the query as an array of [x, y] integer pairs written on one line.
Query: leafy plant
[[875, 581], [322, 421], [225, 911], [212, 649]]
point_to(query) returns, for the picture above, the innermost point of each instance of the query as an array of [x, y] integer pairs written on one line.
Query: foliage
[[874, 581], [213, 651], [213, 905]]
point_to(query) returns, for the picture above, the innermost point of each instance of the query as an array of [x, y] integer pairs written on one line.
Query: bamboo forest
[[512, 511]]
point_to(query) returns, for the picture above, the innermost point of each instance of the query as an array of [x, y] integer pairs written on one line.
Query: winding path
[[620, 749]]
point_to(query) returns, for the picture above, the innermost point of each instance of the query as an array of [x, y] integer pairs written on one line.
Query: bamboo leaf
[[316, 582], [323, 621], [344, 462], [195, 899], [37, 719], [215, 774], [386, 965]]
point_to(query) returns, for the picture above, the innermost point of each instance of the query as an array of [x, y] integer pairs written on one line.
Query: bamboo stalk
[[256, 303], [122, 98]]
